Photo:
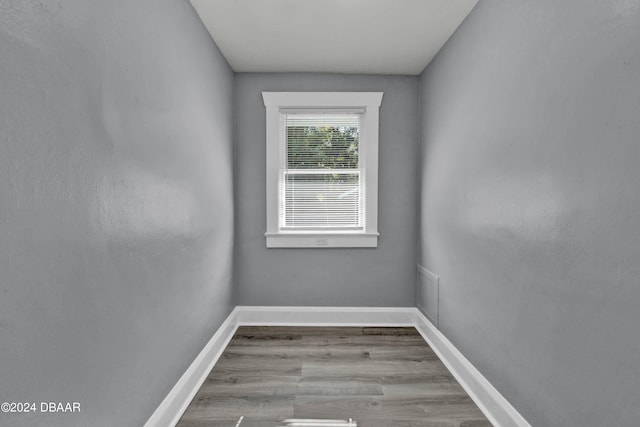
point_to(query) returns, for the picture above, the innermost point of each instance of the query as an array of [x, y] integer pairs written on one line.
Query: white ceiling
[[335, 36]]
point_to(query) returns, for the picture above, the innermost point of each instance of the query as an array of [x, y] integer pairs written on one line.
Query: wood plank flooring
[[380, 377]]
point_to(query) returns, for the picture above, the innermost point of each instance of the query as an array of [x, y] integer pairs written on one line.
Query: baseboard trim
[[495, 407], [326, 316], [178, 399]]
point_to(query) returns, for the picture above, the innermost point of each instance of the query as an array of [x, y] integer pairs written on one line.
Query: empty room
[[280, 213]]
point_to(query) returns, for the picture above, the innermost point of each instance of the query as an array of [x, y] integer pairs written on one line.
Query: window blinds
[[321, 185]]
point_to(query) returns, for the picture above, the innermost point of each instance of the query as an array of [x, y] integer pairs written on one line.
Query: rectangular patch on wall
[[427, 294]]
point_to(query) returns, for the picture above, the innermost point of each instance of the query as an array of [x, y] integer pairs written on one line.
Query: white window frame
[[275, 104]]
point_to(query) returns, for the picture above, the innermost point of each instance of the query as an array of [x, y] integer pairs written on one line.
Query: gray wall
[[116, 211], [383, 276], [530, 203]]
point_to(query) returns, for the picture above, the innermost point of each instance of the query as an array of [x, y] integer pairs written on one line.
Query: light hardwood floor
[[380, 377]]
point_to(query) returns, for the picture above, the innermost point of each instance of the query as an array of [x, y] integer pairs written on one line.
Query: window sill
[[322, 240]]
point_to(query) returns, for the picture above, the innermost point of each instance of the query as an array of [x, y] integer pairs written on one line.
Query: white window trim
[[274, 103]]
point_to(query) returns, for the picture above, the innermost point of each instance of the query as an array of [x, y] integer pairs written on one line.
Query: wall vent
[[428, 294]]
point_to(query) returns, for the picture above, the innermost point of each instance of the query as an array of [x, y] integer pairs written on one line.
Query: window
[[322, 169]]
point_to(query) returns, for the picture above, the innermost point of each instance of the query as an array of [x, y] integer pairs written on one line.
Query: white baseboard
[[326, 316], [494, 406], [489, 400], [178, 399]]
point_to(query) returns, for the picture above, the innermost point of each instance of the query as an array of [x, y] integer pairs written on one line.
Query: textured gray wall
[[116, 211], [384, 276], [530, 203]]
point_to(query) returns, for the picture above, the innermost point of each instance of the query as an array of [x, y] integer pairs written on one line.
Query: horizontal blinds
[[320, 179]]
